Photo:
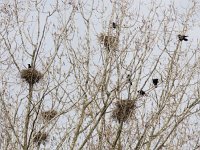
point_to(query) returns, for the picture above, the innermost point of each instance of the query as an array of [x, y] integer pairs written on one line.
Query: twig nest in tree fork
[[31, 75], [123, 110], [40, 137], [110, 42], [48, 115]]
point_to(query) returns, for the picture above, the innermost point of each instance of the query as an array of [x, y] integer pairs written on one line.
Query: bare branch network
[[99, 74]]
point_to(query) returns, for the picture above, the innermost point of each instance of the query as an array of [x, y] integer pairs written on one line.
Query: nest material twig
[[110, 42], [31, 75], [48, 115], [123, 110], [40, 137]]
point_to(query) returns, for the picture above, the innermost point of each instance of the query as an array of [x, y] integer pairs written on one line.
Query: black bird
[[114, 25], [129, 79], [155, 82], [182, 37], [141, 92], [29, 65]]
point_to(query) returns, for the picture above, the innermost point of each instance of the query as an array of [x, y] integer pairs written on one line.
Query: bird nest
[[31, 75], [40, 137], [123, 110], [110, 42], [48, 115]]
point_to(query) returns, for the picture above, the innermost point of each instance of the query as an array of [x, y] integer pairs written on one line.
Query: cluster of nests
[[31, 75], [40, 137], [123, 110], [109, 42]]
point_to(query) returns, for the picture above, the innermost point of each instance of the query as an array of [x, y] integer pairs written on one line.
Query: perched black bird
[[141, 92], [182, 37], [155, 82], [129, 79], [114, 25], [29, 65]]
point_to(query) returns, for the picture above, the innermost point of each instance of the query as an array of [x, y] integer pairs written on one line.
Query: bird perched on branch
[[141, 92], [128, 78], [182, 37], [155, 82], [114, 25], [29, 65]]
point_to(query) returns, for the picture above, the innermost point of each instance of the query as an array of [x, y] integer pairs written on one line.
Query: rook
[[29, 65], [155, 82], [182, 37], [141, 92], [114, 25]]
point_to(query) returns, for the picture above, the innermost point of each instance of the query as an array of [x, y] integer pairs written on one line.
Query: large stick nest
[[31, 75], [123, 110], [110, 42], [40, 137], [48, 115]]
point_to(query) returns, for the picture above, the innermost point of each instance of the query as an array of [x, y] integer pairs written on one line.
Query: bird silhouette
[[114, 25], [129, 79], [29, 65], [141, 92], [155, 82], [182, 37]]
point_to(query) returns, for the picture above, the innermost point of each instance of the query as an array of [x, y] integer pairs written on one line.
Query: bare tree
[[99, 75]]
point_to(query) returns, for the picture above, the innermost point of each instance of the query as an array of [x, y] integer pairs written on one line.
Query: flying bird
[[29, 65], [141, 92], [182, 37], [155, 82]]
